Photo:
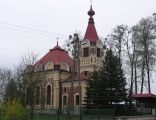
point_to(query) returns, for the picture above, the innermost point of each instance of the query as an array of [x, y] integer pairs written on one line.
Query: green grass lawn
[[56, 118], [71, 118], [45, 118]]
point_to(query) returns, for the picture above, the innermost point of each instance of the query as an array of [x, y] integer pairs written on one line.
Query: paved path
[[136, 118]]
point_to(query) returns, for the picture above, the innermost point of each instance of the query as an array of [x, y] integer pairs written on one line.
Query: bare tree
[[145, 36], [118, 37], [73, 47], [21, 82], [31, 74], [5, 77]]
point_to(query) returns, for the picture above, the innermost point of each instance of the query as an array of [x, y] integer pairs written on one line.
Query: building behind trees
[[60, 88]]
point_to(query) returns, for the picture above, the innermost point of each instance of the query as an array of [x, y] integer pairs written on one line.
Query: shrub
[[13, 110]]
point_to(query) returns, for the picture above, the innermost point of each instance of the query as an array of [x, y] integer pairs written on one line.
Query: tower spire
[[91, 13], [91, 33]]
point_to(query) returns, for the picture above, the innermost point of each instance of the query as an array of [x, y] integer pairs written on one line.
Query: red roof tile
[[91, 33], [56, 55], [76, 78], [145, 95]]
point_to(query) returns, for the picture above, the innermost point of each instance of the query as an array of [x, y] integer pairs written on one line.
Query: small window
[[65, 89], [77, 99], [85, 73], [57, 67], [98, 52], [93, 43], [86, 52]]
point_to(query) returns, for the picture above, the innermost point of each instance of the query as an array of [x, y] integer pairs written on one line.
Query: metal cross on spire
[[57, 40], [91, 2]]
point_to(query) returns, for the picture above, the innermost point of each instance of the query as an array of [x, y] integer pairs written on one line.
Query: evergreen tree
[[11, 91], [107, 86], [94, 98], [113, 73]]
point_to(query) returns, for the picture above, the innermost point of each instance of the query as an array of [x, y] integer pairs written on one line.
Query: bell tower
[[91, 51]]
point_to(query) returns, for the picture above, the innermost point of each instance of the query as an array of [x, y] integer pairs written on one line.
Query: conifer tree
[[107, 86]]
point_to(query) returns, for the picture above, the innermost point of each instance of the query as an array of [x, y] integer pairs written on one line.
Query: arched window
[[77, 100], [49, 66], [48, 95], [98, 52], [64, 66], [37, 95], [65, 89], [86, 52], [64, 100]]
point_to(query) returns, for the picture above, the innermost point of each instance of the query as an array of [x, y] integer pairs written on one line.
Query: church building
[[60, 89]]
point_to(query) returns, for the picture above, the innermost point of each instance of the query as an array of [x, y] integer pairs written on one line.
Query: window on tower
[[86, 52], [93, 43]]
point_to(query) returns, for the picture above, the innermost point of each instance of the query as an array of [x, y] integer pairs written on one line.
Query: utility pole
[[78, 45], [76, 67]]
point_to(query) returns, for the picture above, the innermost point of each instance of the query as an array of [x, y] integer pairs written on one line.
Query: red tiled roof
[[76, 78], [82, 77], [91, 33], [145, 95], [56, 55]]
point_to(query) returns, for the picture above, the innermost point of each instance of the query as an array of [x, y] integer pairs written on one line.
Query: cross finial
[[57, 40], [91, 2]]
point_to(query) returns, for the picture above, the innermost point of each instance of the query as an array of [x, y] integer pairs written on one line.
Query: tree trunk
[[147, 65], [148, 75], [135, 76], [142, 74], [32, 113], [131, 85], [135, 66]]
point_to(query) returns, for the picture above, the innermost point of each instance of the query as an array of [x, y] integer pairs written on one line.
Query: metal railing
[[84, 114], [75, 114]]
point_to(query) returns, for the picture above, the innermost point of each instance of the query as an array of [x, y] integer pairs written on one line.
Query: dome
[[57, 55]]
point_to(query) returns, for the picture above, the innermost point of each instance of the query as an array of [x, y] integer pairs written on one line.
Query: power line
[[32, 33], [29, 35], [29, 30], [25, 31]]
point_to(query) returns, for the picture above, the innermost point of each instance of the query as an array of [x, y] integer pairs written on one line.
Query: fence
[[75, 114], [136, 112], [85, 114]]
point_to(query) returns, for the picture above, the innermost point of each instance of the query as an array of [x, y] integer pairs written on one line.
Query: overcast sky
[[34, 25]]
